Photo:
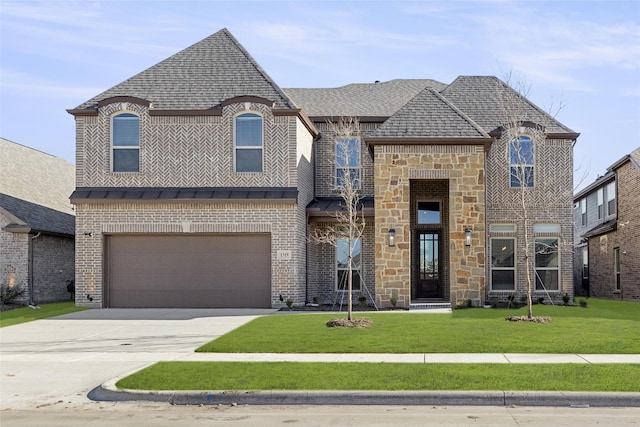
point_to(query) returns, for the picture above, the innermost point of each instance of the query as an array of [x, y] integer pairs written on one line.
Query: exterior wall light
[[392, 237], [467, 236]]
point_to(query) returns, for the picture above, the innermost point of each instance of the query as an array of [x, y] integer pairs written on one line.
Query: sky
[[579, 60]]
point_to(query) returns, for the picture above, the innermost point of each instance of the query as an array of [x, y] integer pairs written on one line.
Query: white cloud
[[30, 85]]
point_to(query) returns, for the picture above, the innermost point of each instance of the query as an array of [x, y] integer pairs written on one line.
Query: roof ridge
[[460, 113]]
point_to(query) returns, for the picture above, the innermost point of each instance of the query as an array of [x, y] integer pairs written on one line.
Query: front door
[[428, 266]]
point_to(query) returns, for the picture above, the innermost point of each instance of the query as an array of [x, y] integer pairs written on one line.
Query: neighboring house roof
[[380, 99], [111, 194], [30, 217], [429, 115], [36, 177], [479, 97], [633, 157], [200, 77], [603, 228]]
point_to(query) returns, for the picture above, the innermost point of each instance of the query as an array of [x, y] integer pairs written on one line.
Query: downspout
[[32, 303]]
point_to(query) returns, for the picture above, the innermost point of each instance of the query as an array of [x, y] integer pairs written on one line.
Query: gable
[[199, 77]]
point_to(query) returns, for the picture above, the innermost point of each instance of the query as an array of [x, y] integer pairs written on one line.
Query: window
[[125, 143], [348, 162], [248, 143], [585, 262], [583, 211], [428, 212], [546, 228], [546, 264], [600, 203], [342, 267], [502, 228], [616, 267], [611, 198], [521, 162], [503, 269]]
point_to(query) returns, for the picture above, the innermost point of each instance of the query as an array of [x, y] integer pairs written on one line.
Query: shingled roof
[[380, 99], [26, 216], [429, 115], [479, 98], [200, 77]]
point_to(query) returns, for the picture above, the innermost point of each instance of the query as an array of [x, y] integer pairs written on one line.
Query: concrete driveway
[[59, 360]]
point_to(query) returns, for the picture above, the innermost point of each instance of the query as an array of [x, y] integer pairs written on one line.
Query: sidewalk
[[109, 392]]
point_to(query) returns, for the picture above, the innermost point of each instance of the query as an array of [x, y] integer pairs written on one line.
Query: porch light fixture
[[467, 236], [392, 237]]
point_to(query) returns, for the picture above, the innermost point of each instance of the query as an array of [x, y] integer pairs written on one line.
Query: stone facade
[[396, 168]]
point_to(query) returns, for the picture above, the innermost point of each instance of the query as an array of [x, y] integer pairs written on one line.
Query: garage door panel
[[189, 271]]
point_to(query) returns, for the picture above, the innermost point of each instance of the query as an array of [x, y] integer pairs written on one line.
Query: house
[[606, 218], [200, 180], [36, 223]]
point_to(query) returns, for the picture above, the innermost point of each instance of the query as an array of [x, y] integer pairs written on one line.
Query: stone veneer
[[463, 167]]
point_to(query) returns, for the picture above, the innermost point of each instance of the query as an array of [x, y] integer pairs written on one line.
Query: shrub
[[8, 294], [393, 301]]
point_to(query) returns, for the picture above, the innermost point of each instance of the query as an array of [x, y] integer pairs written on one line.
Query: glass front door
[[428, 265]]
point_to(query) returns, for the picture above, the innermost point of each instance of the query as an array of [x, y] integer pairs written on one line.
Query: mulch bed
[[361, 322], [534, 319]]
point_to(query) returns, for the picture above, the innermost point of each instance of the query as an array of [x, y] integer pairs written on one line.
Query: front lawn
[[27, 314], [603, 327], [382, 376]]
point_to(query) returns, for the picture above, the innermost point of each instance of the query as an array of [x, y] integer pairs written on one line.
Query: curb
[[108, 392]]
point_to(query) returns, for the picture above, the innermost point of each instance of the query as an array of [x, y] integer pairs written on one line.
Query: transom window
[[546, 264], [248, 143], [429, 212], [347, 162], [503, 270], [342, 266], [125, 143], [521, 162]]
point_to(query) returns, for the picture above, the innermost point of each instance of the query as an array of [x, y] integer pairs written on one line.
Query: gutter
[[32, 303]]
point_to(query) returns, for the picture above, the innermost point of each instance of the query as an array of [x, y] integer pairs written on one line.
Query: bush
[[9, 294]]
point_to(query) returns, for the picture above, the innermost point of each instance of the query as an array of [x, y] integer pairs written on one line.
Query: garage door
[[219, 271]]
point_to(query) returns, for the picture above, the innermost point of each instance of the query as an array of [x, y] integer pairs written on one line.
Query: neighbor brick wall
[[14, 258], [53, 265], [628, 225]]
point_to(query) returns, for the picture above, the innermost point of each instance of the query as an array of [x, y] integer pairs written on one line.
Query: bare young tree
[[349, 222], [522, 135]]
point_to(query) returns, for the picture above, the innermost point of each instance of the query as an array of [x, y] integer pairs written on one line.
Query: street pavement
[[79, 356]]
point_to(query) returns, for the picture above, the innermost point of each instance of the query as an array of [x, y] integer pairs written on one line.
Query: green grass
[[603, 327], [381, 376], [26, 314]]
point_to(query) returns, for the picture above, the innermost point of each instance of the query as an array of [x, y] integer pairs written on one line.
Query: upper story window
[[521, 162], [348, 162], [583, 211], [611, 198], [125, 143], [600, 203], [248, 143]]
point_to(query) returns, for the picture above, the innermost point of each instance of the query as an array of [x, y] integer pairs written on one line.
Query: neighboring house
[[37, 223], [607, 219], [200, 180]]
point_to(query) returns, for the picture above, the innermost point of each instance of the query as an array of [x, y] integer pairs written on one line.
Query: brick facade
[[14, 258], [194, 152]]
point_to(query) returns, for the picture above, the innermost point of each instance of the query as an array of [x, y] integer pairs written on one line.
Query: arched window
[[248, 143], [521, 162], [125, 143]]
